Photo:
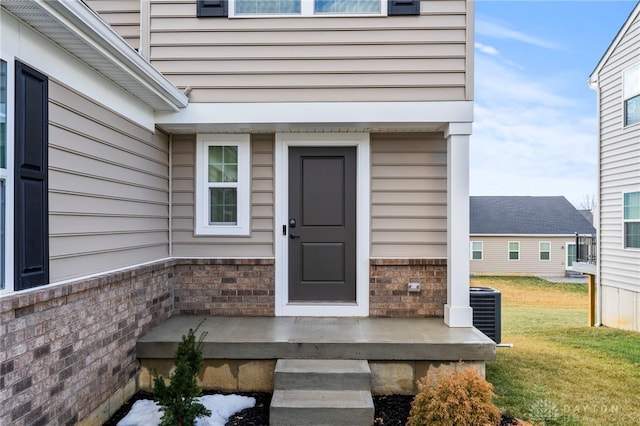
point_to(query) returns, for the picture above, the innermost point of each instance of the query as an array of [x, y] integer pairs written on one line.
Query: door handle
[[292, 224]]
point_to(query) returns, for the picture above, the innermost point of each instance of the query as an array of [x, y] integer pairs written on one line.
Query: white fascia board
[[76, 18], [593, 80], [23, 43], [300, 113], [102, 36]]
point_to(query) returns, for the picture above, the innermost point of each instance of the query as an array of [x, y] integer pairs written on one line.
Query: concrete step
[[321, 407], [322, 374], [321, 392]]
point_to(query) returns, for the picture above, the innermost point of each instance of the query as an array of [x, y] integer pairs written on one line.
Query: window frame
[[243, 185], [509, 251], [472, 251], [540, 251], [306, 11], [626, 221], [7, 178], [632, 94]]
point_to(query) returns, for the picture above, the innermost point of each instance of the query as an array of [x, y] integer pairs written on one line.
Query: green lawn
[[560, 371]]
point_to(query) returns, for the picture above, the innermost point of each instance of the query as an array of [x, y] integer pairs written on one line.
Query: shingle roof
[[526, 215]]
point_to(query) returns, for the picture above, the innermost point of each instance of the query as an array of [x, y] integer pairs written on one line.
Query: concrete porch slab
[[383, 339]]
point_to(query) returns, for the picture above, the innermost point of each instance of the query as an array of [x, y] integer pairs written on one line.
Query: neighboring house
[[523, 235], [616, 80], [588, 214], [177, 160]]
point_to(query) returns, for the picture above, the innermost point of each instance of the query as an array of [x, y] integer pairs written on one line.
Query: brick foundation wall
[[225, 287], [246, 287], [388, 294], [66, 349]]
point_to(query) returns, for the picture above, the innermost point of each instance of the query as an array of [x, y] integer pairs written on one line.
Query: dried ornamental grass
[[454, 396]]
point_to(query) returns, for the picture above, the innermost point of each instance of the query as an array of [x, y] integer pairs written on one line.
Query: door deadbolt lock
[[292, 223]]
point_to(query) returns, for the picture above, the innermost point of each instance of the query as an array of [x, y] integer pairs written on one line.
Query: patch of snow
[[147, 413], [143, 412]]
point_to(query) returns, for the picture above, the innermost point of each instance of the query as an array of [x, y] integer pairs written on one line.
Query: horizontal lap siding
[[260, 242], [620, 166], [408, 196], [122, 15], [108, 188], [403, 58], [495, 260]]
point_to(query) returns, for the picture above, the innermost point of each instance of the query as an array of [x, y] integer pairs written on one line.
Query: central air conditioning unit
[[486, 304]]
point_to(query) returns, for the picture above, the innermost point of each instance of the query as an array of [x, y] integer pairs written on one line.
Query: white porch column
[[457, 312]]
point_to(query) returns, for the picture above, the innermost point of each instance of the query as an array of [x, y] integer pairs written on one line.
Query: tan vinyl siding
[[401, 58], [495, 256], [122, 15], [408, 195], [620, 166], [260, 242], [108, 188]]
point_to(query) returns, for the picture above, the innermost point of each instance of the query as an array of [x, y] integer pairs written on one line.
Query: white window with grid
[[544, 250], [631, 218], [631, 95], [476, 250], [514, 250], [223, 181], [292, 8]]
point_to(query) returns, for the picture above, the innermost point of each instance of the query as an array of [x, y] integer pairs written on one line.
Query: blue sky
[[535, 116]]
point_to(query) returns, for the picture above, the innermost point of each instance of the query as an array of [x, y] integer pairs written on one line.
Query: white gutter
[[100, 47]]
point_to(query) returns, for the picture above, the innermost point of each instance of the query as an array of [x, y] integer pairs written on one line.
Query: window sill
[[219, 231]]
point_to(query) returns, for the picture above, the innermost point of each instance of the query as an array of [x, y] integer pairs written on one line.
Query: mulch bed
[[390, 410]]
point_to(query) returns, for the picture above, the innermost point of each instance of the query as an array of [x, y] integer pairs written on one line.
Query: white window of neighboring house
[[223, 181], [545, 250], [631, 219], [514, 250], [256, 8], [3, 172], [631, 95], [476, 250]]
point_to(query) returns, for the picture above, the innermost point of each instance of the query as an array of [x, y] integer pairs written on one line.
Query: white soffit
[[77, 29]]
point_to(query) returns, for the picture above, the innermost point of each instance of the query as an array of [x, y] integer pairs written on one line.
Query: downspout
[[170, 224], [595, 86]]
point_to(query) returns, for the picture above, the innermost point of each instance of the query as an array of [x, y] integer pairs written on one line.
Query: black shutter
[[31, 187], [212, 7], [404, 7]]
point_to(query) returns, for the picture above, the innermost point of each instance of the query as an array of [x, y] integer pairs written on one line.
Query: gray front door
[[322, 224]]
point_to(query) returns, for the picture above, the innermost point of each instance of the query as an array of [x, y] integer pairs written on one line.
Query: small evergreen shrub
[[178, 399], [449, 396]]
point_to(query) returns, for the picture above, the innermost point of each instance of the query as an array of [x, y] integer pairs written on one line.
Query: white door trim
[[566, 254], [283, 142]]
